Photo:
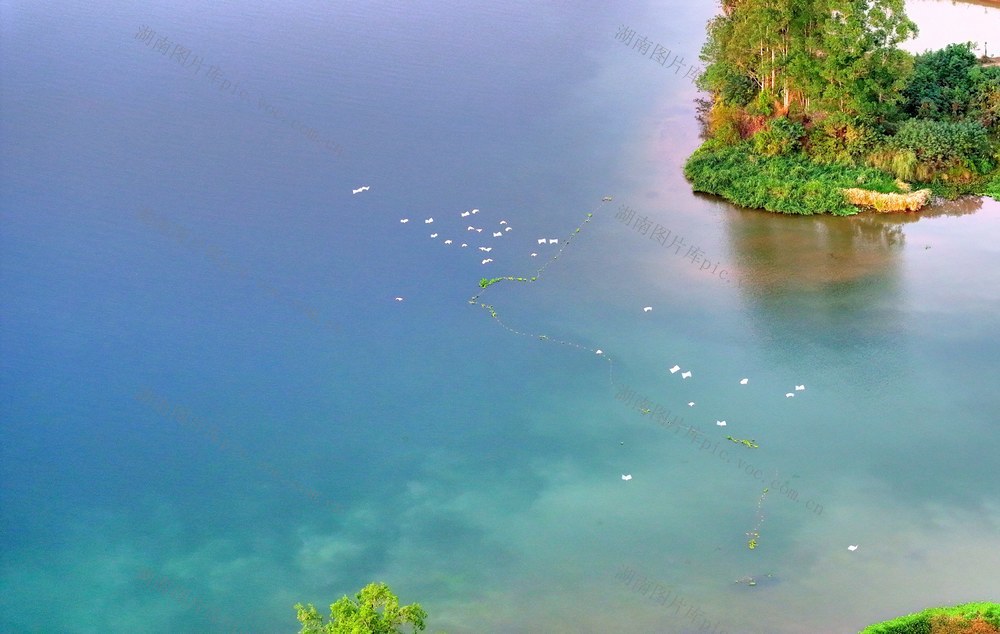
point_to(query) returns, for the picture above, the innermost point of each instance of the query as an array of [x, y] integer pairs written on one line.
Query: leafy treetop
[[375, 611]]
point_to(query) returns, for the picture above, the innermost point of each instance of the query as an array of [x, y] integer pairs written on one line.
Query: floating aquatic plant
[[743, 441]]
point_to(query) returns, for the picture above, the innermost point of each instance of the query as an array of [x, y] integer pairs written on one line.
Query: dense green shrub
[[762, 104], [941, 143], [986, 97], [733, 87], [940, 86], [841, 139], [949, 85], [781, 136], [992, 188]]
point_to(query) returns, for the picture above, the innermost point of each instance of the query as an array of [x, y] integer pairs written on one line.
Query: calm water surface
[[214, 406]]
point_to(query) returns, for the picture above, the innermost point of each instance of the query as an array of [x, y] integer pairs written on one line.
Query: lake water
[[214, 405]]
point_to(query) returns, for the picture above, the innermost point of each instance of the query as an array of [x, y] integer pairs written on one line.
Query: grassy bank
[[787, 184], [968, 618], [794, 183]]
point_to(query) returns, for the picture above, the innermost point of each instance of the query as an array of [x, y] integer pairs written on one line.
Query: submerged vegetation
[[968, 618], [814, 109]]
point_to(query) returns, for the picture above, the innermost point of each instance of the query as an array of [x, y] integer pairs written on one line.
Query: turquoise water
[[214, 406]]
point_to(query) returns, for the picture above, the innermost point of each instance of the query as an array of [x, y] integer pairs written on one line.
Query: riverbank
[[794, 184], [983, 618], [783, 184]]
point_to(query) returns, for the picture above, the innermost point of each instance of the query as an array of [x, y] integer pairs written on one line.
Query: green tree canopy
[[375, 611], [949, 84], [813, 55]]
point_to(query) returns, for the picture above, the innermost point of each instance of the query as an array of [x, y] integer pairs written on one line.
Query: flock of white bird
[[502, 229], [686, 374]]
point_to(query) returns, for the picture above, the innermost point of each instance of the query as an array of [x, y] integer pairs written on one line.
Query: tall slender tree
[[819, 56]]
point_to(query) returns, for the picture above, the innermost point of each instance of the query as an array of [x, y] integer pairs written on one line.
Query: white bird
[[497, 234], [674, 369], [534, 255], [507, 228], [799, 388], [464, 245], [470, 228], [686, 375], [503, 222], [475, 211], [790, 395], [691, 404], [599, 352], [399, 299], [487, 260], [479, 230], [647, 309], [720, 423], [465, 214], [744, 381], [434, 235], [553, 240], [404, 220], [428, 221], [852, 547], [487, 249], [541, 241], [360, 189], [626, 476], [447, 241]]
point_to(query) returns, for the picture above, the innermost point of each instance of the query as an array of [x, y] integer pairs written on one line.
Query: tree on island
[[375, 611], [816, 55]]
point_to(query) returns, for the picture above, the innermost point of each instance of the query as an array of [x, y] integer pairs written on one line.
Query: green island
[[968, 618], [813, 108]]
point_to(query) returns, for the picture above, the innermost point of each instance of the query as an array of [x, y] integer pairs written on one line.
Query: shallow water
[[215, 407]]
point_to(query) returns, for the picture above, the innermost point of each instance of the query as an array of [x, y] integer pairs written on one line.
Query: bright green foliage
[[734, 87], [782, 136], [751, 444], [925, 622], [992, 188], [861, 70], [815, 55], [375, 611], [840, 139], [787, 184]]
